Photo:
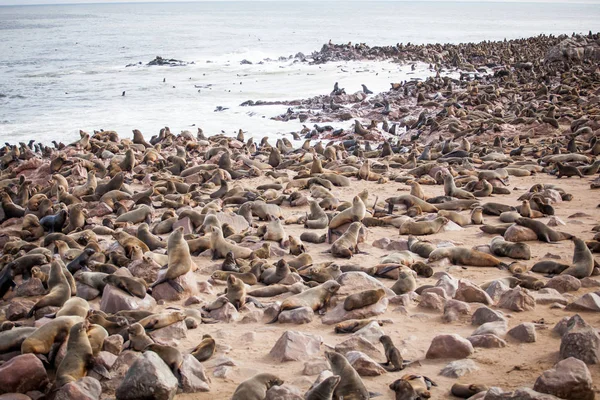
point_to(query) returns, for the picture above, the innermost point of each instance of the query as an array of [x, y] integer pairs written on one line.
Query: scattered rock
[[497, 328], [486, 314], [587, 302], [549, 296], [487, 341], [295, 346], [114, 300], [517, 299], [524, 332], [113, 344], [165, 291], [339, 314], [564, 283], [170, 335], [284, 392], [302, 315], [18, 309], [471, 293], [449, 346], [22, 374], [456, 369], [357, 343], [315, 367], [569, 379], [454, 309], [31, 287], [372, 332], [193, 379], [517, 233], [85, 388], [148, 378], [364, 365], [580, 341]]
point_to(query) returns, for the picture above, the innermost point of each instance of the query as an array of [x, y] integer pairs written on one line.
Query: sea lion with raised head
[[180, 260], [583, 261], [351, 385], [133, 286], [347, 244], [205, 349], [394, 361], [256, 387], [543, 232], [138, 340], [59, 289], [316, 298], [79, 356], [220, 247], [363, 299]]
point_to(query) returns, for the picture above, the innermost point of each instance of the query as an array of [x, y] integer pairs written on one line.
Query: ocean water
[[63, 67]]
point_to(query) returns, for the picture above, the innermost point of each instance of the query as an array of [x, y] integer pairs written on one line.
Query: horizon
[[13, 3]]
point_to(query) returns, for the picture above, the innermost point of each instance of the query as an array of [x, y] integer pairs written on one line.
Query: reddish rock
[[165, 291], [364, 365], [524, 332], [31, 287], [449, 346], [517, 299], [357, 343], [302, 315], [114, 300], [569, 379], [22, 374], [192, 378], [85, 388], [564, 283]]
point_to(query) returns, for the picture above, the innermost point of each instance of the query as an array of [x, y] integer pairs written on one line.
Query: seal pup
[[392, 355], [256, 387], [205, 349], [236, 292], [78, 359], [324, 390], [170, 355], [543, 232], [347, 244], [465, 391], [411, 387], [138, 340], [583, 261], [405, 283], [363, 299], [180, 260], [351, 385], [220, 247]]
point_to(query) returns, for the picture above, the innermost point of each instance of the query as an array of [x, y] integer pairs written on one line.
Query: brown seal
[[464, 256], [351, 385], [157, 321], [55, 331], [543, 232], [405, 283], [567, 170], [133, 286], [411, 387], [324, 390], [205, 349], [313, 237], [79, 356], [363, 299], [316, 218], [75, 306], [423, 227], [316, 298], [128, 242], [169, 354], [353, 214], [236, 292], [477, 215], [353, 325], [180, 260], [456, 217], [392, 355], [138, 340], [246, 277], [464, 391], [256, 387], [347, 244], [153, 242], [113, 327], [220, 247], [275, 275], [583, 261], [550, 267], [296, 246], [96, 335], [502, 248], [12, 339], [60, 290]]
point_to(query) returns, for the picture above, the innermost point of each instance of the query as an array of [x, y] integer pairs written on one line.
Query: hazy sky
[[29, 2]]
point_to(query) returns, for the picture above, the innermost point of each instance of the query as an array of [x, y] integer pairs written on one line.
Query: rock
[[517, 299], [315, 367], [170, 335], [436, 290], [85, 388], [114, 300], [471, 293], [454, 309], [580, 341], [18, 309], [31, 287], [86, 292], [364, 365], [22, 374], [357, 343], [205, 287], [456, 369], [291, 279], [371, 332], [495, 393], [148, 378], [227, 313], [432, 301], [219, 361], [524, 332], [356, 281], [569, 379], [284, 392], [17, 396], [587, 302], [548, 296], [42, 312], [397, 245], [222, 372], [166, 292], [449, 346], [193, 379], [589, 282], [295, 346], [487, 341], [106, 359], [339, 314], [381, 243], [448, 283], [516, 233], [486, 314], [302, 315], [497, 328], [186, 223], [100, 210], [574, 49], [113, 344], [555, 221], [561, 326], [451, 226], [564, 283], [496, 289], [146, 268]]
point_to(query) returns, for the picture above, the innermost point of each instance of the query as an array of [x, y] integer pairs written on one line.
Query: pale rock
[[302, 315], [364, 365], [449, 346], [458, 368], [356, 281], [486, 314], [549, 296], [22, 374], [85, 388], [471, 293], [339, 314], [114, 300], [432, 301], [497, 328], [496, 289], [569, 379], [113, 344], [357, 343], [165, 291], [454, 309], [587, 302], [315, 367], [524, 332], [580, 341], [170, 335], [295, 346], [564, 283], [516, 233], [371, 332], [517, 299], [487, 341], [193, 379], [148, 377]]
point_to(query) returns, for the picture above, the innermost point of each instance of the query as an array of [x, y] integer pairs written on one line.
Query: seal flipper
[[374, 394], [388, 269], [175, 285], [255, 302], [99, 369], [429, 382]]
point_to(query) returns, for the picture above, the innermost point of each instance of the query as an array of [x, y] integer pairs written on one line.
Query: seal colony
[[354, 269]]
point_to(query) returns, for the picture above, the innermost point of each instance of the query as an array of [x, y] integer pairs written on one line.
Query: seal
[[405, 283], [583, 261], [394, 361], [296, 246], [355, 213], [32, 229], [157, 321], [567, 170], [55, 331], [351, 385], [112, 327], [423, 227], [316, 218], [133, 286], [477, 215], [353, 325], [138, 340], [60, 290], [411, 387], [180, 260], [313, 237], [153, 242], [247, 277], [464, 391], [347, 244], [363, 299], [271, 276], [543, 232], [324, 390], [450, 189], [236, 292], [78, 359], [75, 306], [12, 339], [316, 298], [457, 218], [128, 242], [77, 215], [96, 335], [464, 256], [529, 281], [256, 387], [502, 248], [220, 247], [549, 267], [170, 355], [205, 349], [81, 261], [422, 248]]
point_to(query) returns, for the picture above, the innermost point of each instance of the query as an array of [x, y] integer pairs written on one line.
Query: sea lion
[[220, 247], [550, 267], [31, 228], [256, 387], [59, 290], [153, 242], [42, 339], [420, 247], [347, 244], [296, 246], [363, 299], [543, 232], [450, 189], [271, 276], [302, 260], [405, 283], [316, 218], [353, 214], [92, 279], [465, 391], [77, 215], [81, 261], [316, 298], [169, 354], [411, 387], [138, 340], [423, 227], [422, 269], [236, 292], [180, 260], [12, 339], [96, 335], [205, 349], [392, 355], [313, 237], [567, 170], [133, 286], [502, 248], [353, 325], [79, 356], [324, 390], [157, 321], [583, 261], [128, 241], [351, 385], [486, 189], [529, 281], [464, 256], [75, 306], [477, 216], [113, 327], [457, 218]]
